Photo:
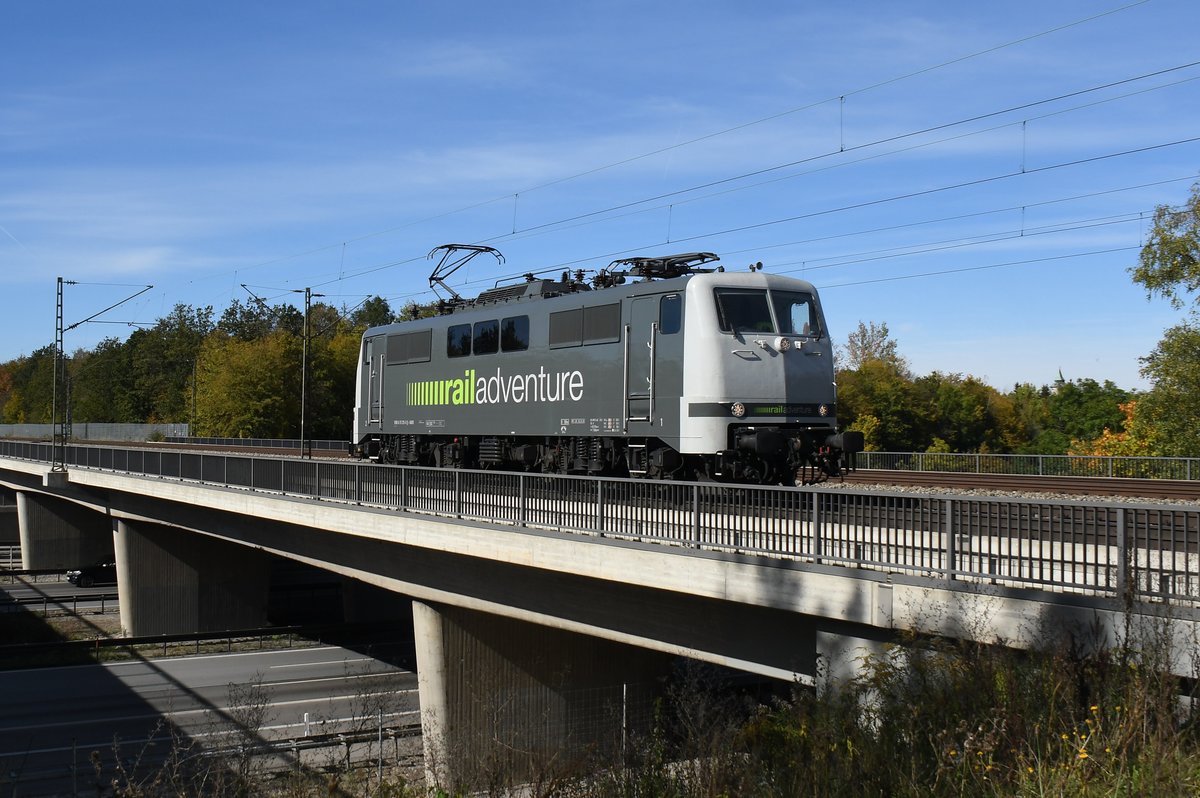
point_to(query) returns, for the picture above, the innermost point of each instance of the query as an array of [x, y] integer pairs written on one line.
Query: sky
[[978, 176]]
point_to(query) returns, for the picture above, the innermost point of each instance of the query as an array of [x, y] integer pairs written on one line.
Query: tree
[[1169, 264], [1137, 438], [162, 360], [375, 312], [1172, 407], [30, 398], [249, 389], [870, 342], [963, 414], [103, 384], [881, 390]]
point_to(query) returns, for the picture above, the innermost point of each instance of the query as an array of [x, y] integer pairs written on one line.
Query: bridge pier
[[842, 654], [60, 534], [506, 699], [177, 582]]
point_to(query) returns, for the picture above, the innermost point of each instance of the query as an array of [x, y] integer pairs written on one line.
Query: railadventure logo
[[542, 386]]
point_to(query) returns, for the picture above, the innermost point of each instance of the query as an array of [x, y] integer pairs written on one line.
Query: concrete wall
[[93, 431]]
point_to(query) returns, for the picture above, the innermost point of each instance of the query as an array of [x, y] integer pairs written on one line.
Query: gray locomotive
[[658, 367]]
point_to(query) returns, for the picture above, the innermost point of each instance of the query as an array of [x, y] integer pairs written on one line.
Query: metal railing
[[108, 602], [1094, 548], [1042, 465], [263, 443]]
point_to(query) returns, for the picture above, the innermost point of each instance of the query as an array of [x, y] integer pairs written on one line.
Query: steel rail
[[1180, 489]]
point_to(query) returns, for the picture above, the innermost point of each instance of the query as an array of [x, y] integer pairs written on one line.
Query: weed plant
[[942, 719], [923, 719]]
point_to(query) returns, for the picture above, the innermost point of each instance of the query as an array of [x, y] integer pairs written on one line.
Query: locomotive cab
[[759, 375]]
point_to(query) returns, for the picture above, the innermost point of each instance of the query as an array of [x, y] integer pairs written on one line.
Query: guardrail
[[108, 603], [1038, 465], [1149, 552]]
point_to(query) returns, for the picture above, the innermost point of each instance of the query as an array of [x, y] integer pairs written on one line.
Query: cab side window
[[670, 314]]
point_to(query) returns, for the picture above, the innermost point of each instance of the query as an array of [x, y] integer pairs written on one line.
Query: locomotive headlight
[[823, 410], [783, 344], [737, 409]]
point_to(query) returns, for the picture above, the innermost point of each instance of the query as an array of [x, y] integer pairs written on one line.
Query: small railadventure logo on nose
[[469, 389]]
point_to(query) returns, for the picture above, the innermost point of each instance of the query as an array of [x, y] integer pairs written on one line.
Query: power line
[[965, 269], [561, 223], [876, 143], [839, 97]]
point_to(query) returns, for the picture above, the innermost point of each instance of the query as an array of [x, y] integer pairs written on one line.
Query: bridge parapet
[[1138, 551]]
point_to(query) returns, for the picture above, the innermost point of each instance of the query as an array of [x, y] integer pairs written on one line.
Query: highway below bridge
[[538, 599]]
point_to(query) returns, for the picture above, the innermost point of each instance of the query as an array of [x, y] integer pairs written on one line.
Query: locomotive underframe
[[774, 454]]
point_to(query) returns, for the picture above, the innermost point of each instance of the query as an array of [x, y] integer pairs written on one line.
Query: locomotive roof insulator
[[661, 268]]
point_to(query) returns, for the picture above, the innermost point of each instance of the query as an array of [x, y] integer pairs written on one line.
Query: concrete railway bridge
[[534, 594]]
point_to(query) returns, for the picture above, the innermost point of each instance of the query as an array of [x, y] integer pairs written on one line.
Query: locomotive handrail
[[653, 368], [376, 410], [625, 383]]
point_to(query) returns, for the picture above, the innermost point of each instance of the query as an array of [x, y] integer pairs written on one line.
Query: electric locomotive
[[664, 368]]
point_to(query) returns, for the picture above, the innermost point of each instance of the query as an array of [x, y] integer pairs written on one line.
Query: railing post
[[600, 508], [951, 544], [696, 516], [403, 488], [1122, 555], [816, 526], [458, 503], [522, 515]]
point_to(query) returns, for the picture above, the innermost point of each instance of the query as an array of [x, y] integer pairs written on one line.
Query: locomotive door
[[640, 340], [375, 361], [654, 365]]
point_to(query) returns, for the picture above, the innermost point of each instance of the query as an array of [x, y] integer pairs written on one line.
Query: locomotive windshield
[[796, 313], [743, 310]]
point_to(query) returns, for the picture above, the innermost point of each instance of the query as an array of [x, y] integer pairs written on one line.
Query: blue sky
[[979, 177]]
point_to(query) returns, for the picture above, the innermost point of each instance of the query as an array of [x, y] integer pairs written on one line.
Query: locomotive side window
[[670, 314], [413, 347], [566, 328], [797, 313], [743, 311], [602, 324], [514, 334], [458, 340], [487, 337]]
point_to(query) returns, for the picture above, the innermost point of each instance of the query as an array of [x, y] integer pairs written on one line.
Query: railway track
[[1186, 490]]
